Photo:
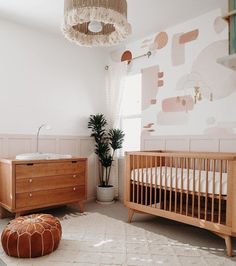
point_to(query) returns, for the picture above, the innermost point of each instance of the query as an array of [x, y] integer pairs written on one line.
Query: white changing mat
[[152, 175]]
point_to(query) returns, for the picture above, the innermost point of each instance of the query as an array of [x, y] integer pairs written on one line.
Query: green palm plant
[[107, 141]]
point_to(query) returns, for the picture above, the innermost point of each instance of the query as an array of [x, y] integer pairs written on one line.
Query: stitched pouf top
[[31, 236]]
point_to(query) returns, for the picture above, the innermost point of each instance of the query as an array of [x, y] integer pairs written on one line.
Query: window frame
[[132, 116]]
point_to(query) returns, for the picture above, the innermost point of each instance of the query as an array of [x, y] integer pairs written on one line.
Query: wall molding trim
[[190, 143]]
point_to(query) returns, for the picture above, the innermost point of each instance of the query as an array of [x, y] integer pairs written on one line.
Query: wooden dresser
[[29, 185]]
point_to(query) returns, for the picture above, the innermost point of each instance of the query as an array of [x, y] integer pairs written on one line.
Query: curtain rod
[[230, 14], [148, 54]]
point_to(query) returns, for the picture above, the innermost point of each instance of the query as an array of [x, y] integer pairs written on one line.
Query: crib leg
[[130, 215], [228, 244]]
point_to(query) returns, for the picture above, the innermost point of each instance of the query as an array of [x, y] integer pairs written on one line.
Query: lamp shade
[[96, 22]]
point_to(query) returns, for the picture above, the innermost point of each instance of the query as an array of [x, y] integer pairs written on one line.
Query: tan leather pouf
[[31, 236]]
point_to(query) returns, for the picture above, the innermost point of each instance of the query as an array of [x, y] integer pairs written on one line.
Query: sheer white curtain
[[115, 84]]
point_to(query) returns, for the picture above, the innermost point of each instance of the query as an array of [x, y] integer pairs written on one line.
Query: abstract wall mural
[[177, 51], [148, 126], [178, 104], [184, 90], [153, 101], [126, 56], [152, 81], [149, 86], [160, 75], [178, 46], [189, 36], [221, 81], [220, 24], [161, 40]]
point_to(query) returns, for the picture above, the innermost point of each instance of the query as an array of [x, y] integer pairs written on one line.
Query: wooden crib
[[195, 188]]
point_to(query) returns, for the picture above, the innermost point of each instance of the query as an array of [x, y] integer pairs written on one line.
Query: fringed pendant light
[[96, 22]]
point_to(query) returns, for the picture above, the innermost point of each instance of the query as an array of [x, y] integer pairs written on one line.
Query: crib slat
[[176, 176], [146, 181], [160, 190], [213, 191], [171, 166], [206, 197], [142, 185], [193, 195], [138, 165], [225, 166], [155, 196], [187, 161], [165, 185], [230, 192], [199, 188], [151, 180], [133, 161], [219, 215], [181, 193]]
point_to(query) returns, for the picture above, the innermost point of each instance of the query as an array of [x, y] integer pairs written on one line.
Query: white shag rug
[[96, 239]]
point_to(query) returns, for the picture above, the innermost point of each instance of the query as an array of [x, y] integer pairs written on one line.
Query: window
[[131, 113]]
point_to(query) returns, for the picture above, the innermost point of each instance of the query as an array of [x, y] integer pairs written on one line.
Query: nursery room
[[118, 132]]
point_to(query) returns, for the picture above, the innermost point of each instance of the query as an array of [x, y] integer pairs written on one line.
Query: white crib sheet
[[149, 175]]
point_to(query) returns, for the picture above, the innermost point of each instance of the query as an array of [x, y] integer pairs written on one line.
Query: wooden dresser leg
[[228, 243], [81, 206], [18, 214], [130, 215], [4, 213]]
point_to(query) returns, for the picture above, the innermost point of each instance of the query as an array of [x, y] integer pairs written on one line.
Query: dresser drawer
[[49, 197], [49, 182], [49, 169]]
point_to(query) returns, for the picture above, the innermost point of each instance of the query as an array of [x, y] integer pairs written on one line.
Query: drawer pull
[[74, 176], [30, 194], [74, 189], [74, 162], [29, 164], [30, 180]]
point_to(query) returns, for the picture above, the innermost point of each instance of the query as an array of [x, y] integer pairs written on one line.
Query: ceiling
[[145, 16]]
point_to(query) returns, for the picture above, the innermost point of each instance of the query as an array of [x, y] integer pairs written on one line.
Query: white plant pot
[[105, 195]]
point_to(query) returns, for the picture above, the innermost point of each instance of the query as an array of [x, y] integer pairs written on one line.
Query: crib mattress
[[191, 179]]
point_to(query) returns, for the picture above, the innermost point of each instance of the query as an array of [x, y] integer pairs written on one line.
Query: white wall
[[45, 78]]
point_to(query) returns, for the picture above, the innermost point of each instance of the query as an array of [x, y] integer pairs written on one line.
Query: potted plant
[[107, 141]]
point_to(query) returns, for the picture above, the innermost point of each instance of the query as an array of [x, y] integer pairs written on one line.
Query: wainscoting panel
[[18, 145], [11, 145], [1, 147], [227, 145], [189, 143], [68, 146], [92, 176], [86, 146], [48, 145], [114, 181], [153, 144], [206, 145], [177, 144]]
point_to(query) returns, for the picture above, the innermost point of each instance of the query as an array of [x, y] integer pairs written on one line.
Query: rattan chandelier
[[96, 22]]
